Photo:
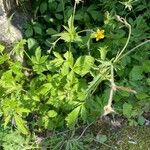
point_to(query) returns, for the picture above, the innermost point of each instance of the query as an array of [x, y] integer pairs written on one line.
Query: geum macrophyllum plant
[[56, 92], [105, 70], [71, 34], [108, 108]]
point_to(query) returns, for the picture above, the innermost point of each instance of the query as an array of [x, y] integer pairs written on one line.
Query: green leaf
[[16, 67], [69, 58], [2, 48], [132, 122], [4, 58], [29, 32], [148, 81], [8, 82], [83, 65], [146, 66], [45, 88], [52, 113], [57, 55], [38, 54], [66, 28], [51, 31], [101, 138], [65, 68], [59, 16], [83, 113], [37, 29], [71, 77], [32, 43], [95, 14], [6, 121], [43, 7], [70, 23], [58, 61], [64, 36], [127, 110], [136, 73], [22, 110], [72, 117], [141, 120], [142, 96], [20, 124], [103, 52], [18, 48]]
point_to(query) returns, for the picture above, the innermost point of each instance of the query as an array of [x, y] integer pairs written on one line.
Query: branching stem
[[128, 39], [53, 45], [133, 49], [88, 30], [108, 109], [74, 10], [113, 87]]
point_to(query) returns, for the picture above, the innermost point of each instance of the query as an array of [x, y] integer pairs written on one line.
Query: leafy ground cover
[[82, 60]]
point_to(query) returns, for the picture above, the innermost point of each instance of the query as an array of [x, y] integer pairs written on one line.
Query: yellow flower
[[99, 34]]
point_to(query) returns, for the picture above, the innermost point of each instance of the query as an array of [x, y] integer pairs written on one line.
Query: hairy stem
[[108, 109], [113, 87], [74, 10], [128, 39], [133, 49], [53, 45]]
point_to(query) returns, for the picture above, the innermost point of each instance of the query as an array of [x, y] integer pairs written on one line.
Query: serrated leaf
[[66, 28], [70, 23], [136, 73], [146, 66], [8, 82], [52, 113], [83, 113], [71, 77], [141, 120], [142, 96], [83, 65], [37, 29], [64, 36], [43, 7], [58, 61], [18, 48], [127, 110], [2, 48], [148, 81], [57, 55], [38, 54], [51, 31], [65, 68], [29, 32], [6, 121], [72, 117], [21, 110], [44, 88], [31, 43], [59, 16], [20, 124], [3, 58], [101, 138], [69, 58]]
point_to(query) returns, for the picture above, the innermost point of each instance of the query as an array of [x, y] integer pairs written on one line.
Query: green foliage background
[[52, 90]]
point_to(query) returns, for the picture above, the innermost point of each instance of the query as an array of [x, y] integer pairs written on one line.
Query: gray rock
[[11, 21]]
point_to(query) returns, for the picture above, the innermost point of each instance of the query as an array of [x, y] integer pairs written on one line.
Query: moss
[[130, 138]]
